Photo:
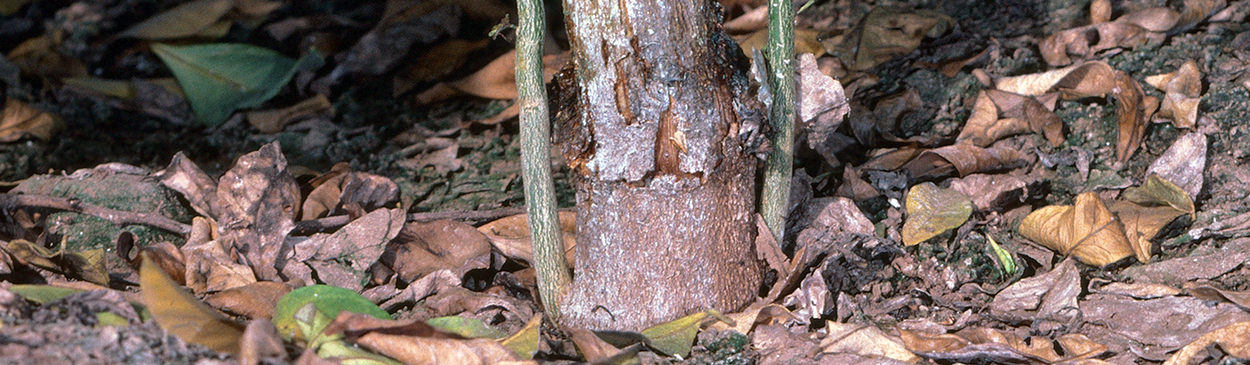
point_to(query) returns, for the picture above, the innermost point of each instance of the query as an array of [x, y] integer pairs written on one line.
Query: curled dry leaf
[[197, 18], [85, 265], [932, 210], [1148, 209], [1182, 94], [1154, 19], [340, 188], [1084, 42], [511, 236], [1050, 296], [1234, 340], [255, 300], [274, 120], [1130, 112], [1087, 230], [185, 316], [995, 346], [193, 183], [965, 159], [425, 247], [343, 258], [1018, 113], [21, 120]]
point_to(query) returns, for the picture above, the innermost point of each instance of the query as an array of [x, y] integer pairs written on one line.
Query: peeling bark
[[653, 114]]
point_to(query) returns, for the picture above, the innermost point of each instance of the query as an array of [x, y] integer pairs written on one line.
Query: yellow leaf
[[1087, 230], [676, 337], [524, 343], [20, 120], [932, 210], [176, 311]]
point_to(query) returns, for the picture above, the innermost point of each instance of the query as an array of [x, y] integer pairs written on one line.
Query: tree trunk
[[653, 115]]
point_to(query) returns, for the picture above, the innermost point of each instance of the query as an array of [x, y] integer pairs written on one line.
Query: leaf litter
[[1068, 158]]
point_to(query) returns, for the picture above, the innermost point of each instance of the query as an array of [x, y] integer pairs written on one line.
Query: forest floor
[[1033, 182]]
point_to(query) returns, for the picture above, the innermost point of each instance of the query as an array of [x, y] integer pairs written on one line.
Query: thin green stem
[[774, 204], [553, 272]]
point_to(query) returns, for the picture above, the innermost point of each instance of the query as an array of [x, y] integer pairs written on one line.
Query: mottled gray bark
[[654, 115]]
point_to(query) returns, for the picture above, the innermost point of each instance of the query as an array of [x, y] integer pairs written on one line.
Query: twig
[[774, 205], [118, 217], [335, 222]]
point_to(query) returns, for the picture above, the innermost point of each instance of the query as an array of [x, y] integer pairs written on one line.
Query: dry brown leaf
[[1137, 290], [1092, 79], [1020, 114], [965, 159], [1034, 84], [436, 63], [1198, 10], [261, 342], [1154, 19], [511, 236], [21, 120], [1086, 230], [995, 346], [254, 301], [414, 342], [865, 340], [591, 346], [1183, 163], [1051, 296], [497, 80], [38, 57], [748, 22], [196, 18], [1233, 340], [1182, 94], [185, 316], [425, 247], [1085, 42], [759, 313], [888, 32], [194, 184], [932, 210], [341, 190], [805, 41], [343, 258], [1131, 115], [983, 126], [1212, 294], [274, 120]]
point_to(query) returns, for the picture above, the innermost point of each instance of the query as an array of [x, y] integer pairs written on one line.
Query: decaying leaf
[[274, 120], [1085, 42], [258, 201], [932, 210], [998, 114], [40, 57], [511, 236], [805, 41], [524, 343], [20, 120], [414, 342], [1182, 93], [1154, 19], [963, 159], [1184, 163], [496, 80], [184, 316], [193, 183], [1148, 209], [341, 190], [1051, 296], [593, 348], [822, 106], [256, 300], [996, 346], [888, 32], [86, 265], [343, 258], [1087, 230], [422, 248]]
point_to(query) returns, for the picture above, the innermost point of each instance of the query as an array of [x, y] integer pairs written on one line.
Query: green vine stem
[[552, 271], [774, 204]]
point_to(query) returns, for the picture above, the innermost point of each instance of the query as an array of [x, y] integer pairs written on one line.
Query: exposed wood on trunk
[[653, 114]]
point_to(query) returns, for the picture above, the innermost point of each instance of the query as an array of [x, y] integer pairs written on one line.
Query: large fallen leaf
[[865, 340], [21, 120], [181, 314], [1182, 93], [197, 18], [932, 210], [328, 300], [998, 114], [220, 78], [980, 344], [256, 300], [258, 200], [1086, 230], [888, 32], [1148, 209], [1051, 296]]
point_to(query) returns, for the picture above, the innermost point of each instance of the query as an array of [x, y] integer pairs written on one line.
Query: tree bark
[[654, 115]]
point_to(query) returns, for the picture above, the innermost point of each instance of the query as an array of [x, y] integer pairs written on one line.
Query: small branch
[[553, 274], [335, 222], [774, 205], [118, 217]]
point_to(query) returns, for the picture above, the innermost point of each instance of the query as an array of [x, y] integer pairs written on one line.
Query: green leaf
[[677, 336], [196, 18], [467, 327], [221, 78], [110, 319], [1004, 257], [42, 294], [327, 300], [1159, 191]]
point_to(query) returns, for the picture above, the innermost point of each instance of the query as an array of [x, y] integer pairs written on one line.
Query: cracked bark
[[654, 115]]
